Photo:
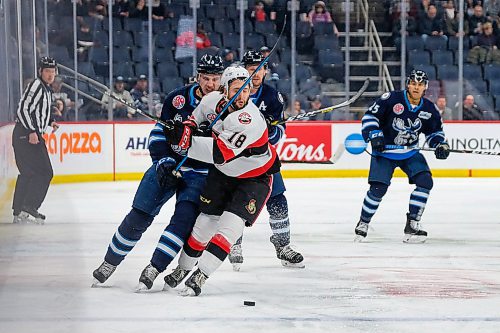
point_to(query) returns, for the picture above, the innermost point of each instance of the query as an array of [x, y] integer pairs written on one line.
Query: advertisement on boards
[[81, 149], [131, 147]]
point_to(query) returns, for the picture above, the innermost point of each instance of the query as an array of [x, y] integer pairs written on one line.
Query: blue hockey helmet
[[418, 76]]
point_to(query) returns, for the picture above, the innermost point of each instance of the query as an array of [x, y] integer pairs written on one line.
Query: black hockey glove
[[442, 151], [204, 130], [377, 141], [164, 172], [180, 136], [269, 120]]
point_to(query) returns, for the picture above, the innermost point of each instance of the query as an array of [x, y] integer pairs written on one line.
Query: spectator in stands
[[470, 110], [59, 93], [430, 24], [452, 19], [120, 110], [141, 98], [395, 10], [469, 7], [423, 8], [411, 29], [258, 13], [121, 8], [476, 21], [492, 9], [315, 104], [140, 10], [202, 40], [85, 42], [58, 110], [444, 111], [486, 48], [228, 57], [295, 111], [319, 14]]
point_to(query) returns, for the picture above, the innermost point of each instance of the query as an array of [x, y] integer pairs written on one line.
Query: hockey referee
[[34, 115]]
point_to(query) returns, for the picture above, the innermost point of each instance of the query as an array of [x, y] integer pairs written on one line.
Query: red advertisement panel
[[306, 142]]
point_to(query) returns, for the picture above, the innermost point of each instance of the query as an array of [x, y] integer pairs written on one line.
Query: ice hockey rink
[[449, 284]]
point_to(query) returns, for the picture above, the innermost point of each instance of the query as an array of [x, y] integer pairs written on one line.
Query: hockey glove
[[180, 136], [377, 141], [442, 151], [164, 172]]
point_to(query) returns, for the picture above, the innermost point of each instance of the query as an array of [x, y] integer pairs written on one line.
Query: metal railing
[[362, 8], [375, 47]]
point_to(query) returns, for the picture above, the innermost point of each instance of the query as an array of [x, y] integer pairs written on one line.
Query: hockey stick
[[460, 151], [105, 90], [328, 109], [230, 102]]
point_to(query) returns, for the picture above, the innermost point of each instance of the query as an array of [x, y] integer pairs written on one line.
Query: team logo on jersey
[[178, 117], [251, 207], [385, 96], [424, 115], [406, 134], [245, 118], [211, 116], [398, 108], [178, 101]]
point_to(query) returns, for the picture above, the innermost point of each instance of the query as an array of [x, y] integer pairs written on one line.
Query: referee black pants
[[35, 171]]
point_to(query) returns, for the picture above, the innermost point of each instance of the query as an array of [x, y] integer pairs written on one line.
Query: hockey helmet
[[252, 58], [418, 76], [210, 64], [47, 62], [233, 73]]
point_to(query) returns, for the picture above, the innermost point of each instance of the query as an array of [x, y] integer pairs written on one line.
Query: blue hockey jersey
[[402, 123], [270, 103], [178, 105]]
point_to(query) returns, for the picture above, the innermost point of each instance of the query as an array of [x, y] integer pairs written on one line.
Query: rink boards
[[118, 151]]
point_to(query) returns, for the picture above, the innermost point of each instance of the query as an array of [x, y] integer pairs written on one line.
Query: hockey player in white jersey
[[237, 187]]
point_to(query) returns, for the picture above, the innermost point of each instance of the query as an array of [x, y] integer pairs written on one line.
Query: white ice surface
[[449, 284]]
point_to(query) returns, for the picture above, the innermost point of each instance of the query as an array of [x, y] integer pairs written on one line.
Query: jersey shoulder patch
[[385, 96]]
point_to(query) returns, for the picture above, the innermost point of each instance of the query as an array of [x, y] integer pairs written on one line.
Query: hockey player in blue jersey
[[270, 103], [396, 119], [158, 185]]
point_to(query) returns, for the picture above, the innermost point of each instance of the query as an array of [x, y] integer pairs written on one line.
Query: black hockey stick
[[460, 151], [231, 101], [105, 90], [328, 109]]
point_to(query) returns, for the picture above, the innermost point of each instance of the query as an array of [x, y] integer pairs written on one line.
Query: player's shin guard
[[413, 228], [277, 208], [230, 229], [128, 234], [370, 205]]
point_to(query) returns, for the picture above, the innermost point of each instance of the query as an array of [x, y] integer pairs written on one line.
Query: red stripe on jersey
[[226, 152], [195, 244], [262, 140], [221, 242], [261, 170]]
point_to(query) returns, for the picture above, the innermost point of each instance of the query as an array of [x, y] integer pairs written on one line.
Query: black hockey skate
[[173, 279], [102, 273], [148, 276], [30, 215], [194, 284], [413, 231], [236, 257], [361, 231], [289, 257]]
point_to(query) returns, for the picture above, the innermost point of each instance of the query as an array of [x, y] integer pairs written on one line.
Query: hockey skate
[[361, 231], [173, 279], [289, 257], [413, 231], [194, 284], [30, 215], [102, 273], [148, 276], [21, 218], [236, 257]]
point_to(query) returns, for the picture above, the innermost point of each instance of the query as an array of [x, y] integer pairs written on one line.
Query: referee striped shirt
[[34, 110]]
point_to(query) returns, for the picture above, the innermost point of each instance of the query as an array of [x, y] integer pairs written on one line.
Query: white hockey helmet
[[234, 73]]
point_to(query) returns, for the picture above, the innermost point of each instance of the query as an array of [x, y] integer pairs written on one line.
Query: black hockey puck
[[249, 303]]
